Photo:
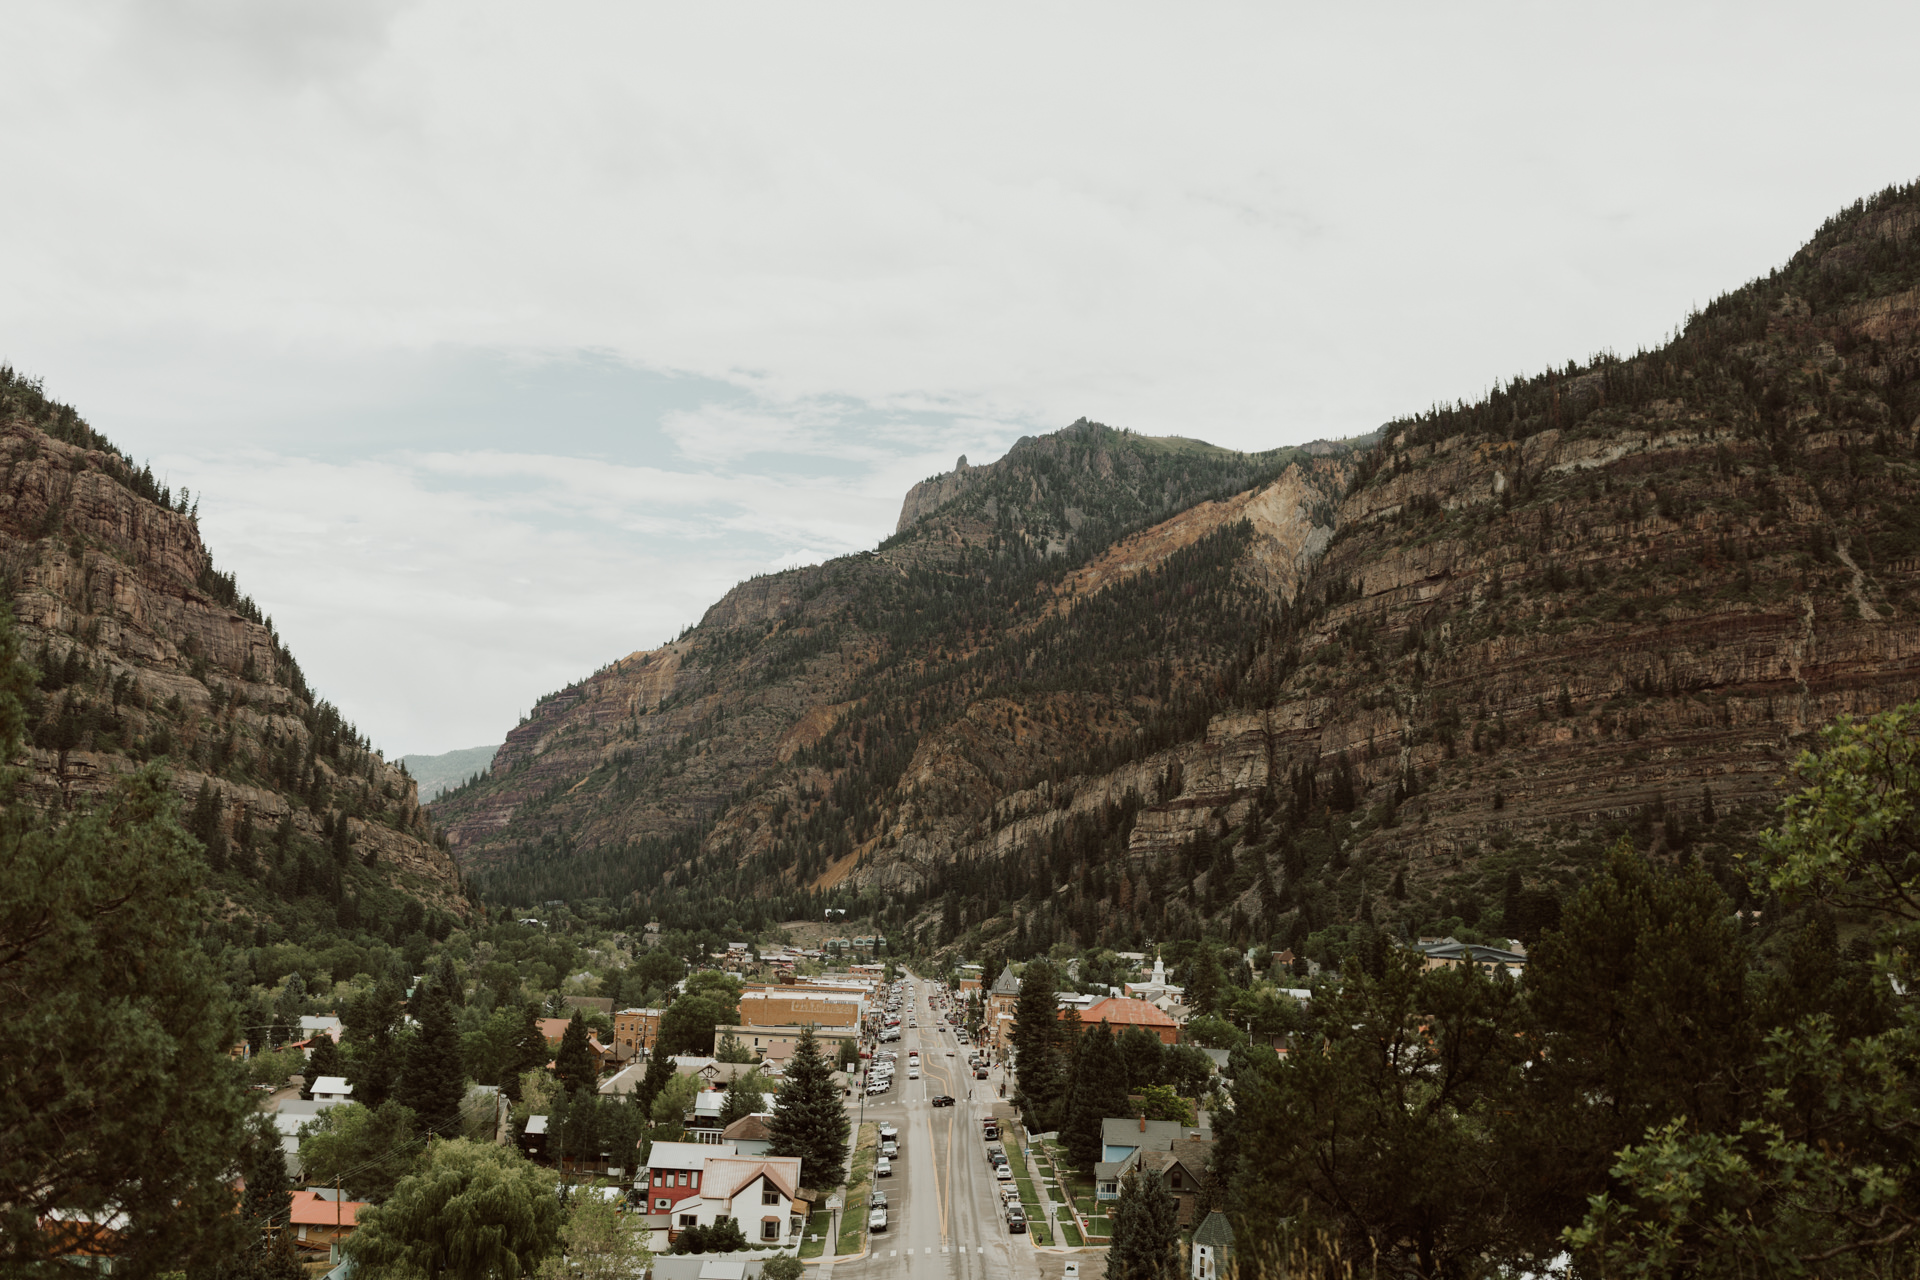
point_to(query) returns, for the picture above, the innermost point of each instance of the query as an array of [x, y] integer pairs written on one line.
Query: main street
[[944, 1216]]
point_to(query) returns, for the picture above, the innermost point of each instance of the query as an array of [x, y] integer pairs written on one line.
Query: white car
[[883, 1168], [913, 1073], [877, 1220]]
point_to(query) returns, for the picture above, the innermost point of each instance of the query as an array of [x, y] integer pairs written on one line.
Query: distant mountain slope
[[435, 774], [614, 781], [1417, 688], [147, 652]]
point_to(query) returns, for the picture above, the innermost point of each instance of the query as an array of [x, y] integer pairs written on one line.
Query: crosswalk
[[959, 1248]]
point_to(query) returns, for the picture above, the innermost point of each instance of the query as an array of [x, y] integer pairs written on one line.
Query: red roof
[[1116, 1011], [309, 1210]]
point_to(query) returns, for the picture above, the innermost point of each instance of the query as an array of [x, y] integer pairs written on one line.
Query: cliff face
[[1099, 688], [683, 746], [146, 652]]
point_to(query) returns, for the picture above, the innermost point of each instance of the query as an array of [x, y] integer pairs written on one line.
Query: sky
[[499, 340]]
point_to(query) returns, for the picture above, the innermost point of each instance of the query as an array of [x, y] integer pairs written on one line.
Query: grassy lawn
[[815, 1242], [1070, 1234], [853, 1218]]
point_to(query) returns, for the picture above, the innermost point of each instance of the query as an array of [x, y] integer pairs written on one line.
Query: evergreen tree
[[809, 1119], [323, 1060], [119, 1098], [371, 1023], [744, 1097], [1146, 1230], [1207, 980], [432, 1081], [266, 1208], [1036, 1038], [575, 1063], [526, 1051], [1099, 1093], [659, 1073]]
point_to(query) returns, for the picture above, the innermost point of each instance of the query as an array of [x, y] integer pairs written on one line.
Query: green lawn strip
[[818, 1224], [1070, 1234], [853, 1218]]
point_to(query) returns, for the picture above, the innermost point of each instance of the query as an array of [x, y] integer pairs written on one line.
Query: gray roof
[[1219, 1057], [1156, 1135], [1449, 949], [1006, 984], [1214, 1230]]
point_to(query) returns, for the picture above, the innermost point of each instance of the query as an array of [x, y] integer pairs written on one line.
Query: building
[[776, 1043], [1121, 1014], [760, 1193], [1123, 1139], [1212, 1247], [1183, 1165], [1156, 987], [749, 1136], [1451, 951], [802, 1006], [634, 1033], [332, 1089], [673, 1175], [322, 1223], [1002, 998]]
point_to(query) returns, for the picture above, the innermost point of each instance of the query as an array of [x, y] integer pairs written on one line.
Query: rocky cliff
[[1116, 688], [145, 652]]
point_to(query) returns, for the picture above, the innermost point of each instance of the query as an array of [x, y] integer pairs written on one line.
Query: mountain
[[1115, 688], [145, 651], [435, 774], [810, 690]]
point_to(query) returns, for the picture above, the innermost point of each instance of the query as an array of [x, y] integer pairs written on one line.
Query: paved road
[[944, 1203]]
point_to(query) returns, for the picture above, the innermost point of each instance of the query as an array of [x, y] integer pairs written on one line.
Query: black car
[[942, 1100]]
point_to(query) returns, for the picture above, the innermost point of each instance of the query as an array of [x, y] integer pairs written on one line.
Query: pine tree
[[322, 1060], [575, 1063], [1206, 981], [432, 1082], [1146, 1230], [1036, 1031], [809, 1119], [1099, 1093], [372, 1023]]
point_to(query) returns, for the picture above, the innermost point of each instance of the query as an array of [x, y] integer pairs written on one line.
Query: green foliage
[[1367, 1135], [810, 1116], [730, 1049], [1146, 1230], [116, 1026], [1850, 835], [575, 1063], [1160, 1102], [720, 1237], [323, 1059], [432, 1080], [1039, 1083], [365, 1150], [1098, 1092], [599, 1242], [475, 1211]]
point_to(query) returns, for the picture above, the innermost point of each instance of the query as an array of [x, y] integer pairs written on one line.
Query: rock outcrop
[[146, 652]]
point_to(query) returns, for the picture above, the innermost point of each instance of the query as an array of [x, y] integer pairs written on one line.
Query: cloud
[[650, 296]]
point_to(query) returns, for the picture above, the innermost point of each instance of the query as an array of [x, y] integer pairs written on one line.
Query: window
[[689, 1220], [662, 1204], [696, 1177], [769, 1196], [770, 1228], [683, 1178], [1174, 1176]]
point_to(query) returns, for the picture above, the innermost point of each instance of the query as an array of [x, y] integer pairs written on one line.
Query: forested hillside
[[1418, 688], [771, 748], [144, 651]]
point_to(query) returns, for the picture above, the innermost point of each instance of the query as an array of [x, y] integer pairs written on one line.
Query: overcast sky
[[500, 339]]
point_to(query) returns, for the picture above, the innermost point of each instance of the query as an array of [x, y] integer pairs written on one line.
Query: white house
[[759, 1193], [332, 1089]]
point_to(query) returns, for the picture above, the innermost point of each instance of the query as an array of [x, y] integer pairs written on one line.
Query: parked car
[[878, 1197], [1003, 1173], [877, 1220], [889, 1148], [883, 1168], [1016, 1222], [980, 1073]]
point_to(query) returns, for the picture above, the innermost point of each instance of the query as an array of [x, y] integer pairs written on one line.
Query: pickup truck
[[877, 1220]]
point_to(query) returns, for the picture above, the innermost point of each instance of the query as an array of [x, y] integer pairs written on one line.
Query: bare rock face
[[148, 653], [931, 494]]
